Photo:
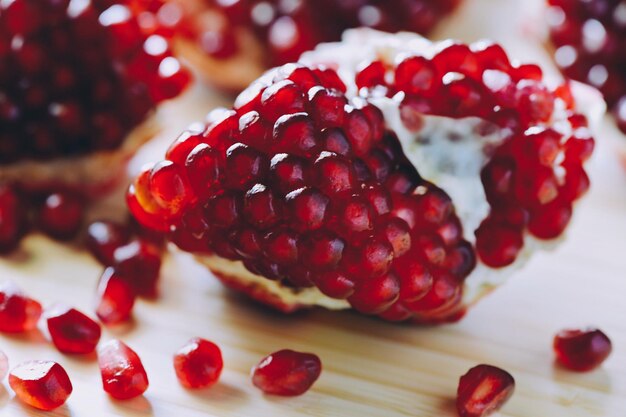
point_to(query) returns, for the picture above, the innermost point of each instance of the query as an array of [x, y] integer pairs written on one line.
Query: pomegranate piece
[[61, 215], [11, 218], [18, 312], [582, 349], [287, 373], [71, 331], [115, 298], [123, 374], [67, 87], [198, 363], [4, 365], [587, 36], [104, 237], [41, 384], [483, 390], [139, 263]]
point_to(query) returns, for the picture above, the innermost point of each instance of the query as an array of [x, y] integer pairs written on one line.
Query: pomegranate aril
[[18, 312], [483, 390], [498, 245], [581, 349], [139, 263], [61, 215], [104, 237], [198, 363], [115, 298], [287, 373], [41, 384], [123, 374], [71, 331]]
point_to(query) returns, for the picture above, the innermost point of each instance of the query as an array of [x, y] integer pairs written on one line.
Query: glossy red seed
[[198, 363], [61, 215], [498, 245], [139, 263], [115, 298], [72, 331], [371, 75], [286, 373], [18, 312], [376, 295], [123, 374], [41, 384], [104, 237], [483, 390], [581, 349]]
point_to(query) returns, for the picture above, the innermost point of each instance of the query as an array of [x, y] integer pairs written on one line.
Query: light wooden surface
[[370, 368]]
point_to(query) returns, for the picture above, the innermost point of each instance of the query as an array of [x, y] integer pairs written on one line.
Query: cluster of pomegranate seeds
[[286, 29], [123, 374], [198, 363], [309, 190], [589, 39], [287, 373], [582, 349], [536, 174], [72, 331], [77, 76], [18, 312], [483, 390], [41, 384]]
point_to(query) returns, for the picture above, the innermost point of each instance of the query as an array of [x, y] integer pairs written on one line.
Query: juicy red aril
[[61, 215], [139, 262], [67, 87], [71, 331], [123, 374], [11, 218], [582, 349], [198, 363], [41, 384], [104, 237], [483, 390], [498, 245], [18, 312], [286, 373], [4, 365], [115, 298]]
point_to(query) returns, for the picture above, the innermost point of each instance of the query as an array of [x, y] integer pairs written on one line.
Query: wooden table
[[370, 368]]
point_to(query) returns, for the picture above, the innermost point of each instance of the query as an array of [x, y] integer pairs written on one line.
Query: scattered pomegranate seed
[[104, 237], [287, 373], [198, 363], [139, 262], [483, 390], [4, 365], [582, 350], [41, 384], [123, 375], [61, 215], [72, 331], [18, 312], [115, 298], [11, 218]]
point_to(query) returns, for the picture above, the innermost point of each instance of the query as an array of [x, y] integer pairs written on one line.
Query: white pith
[[454, 166]]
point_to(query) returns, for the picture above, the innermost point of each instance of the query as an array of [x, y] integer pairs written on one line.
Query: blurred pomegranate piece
[[41, 384], [483, 390], [582, 349], [18, 312]]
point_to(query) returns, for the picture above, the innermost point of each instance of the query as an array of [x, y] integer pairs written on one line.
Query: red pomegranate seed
[[61, 215], [287, 373], [115, 298], [483, 390], [139, 262], [582, 349], [123, 374], [71, 331], [198, 363], [18, 312], [11, 218], [104, 237], [4, 365], [41, 384]]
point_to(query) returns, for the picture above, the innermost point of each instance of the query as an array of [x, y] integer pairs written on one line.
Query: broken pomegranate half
[[407, 198], [41, 384], [233, 42], [286, 373], [78, 82]]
